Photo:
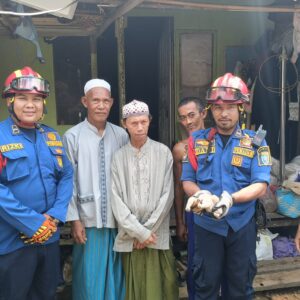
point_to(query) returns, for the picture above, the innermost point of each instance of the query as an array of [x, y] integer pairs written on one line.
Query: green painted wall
[[17, 53], [229, 28]]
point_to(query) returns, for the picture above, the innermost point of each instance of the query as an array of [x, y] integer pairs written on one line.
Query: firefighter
[[227, 170], [35, 189]]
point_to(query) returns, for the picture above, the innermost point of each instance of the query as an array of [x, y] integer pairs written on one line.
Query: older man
[[142, 195], [97, 272]]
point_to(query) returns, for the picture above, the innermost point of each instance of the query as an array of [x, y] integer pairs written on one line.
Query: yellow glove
[[43, 234]]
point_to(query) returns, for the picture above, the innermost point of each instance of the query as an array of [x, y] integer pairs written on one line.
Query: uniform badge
[[264, 156], [246, 142], [202, 142], [51, 136], [237, 160], [238, 133], [58, 150], [59, 161], [15, 129]]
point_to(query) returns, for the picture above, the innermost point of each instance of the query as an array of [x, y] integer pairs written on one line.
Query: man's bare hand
[[150, 240], [78, 232], [137, 245], [181, 232]]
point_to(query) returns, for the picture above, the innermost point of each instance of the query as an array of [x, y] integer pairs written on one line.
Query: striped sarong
[[150, 275], [97, 269]]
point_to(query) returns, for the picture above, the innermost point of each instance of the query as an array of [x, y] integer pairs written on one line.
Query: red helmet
[[228, 89], [25, 81]]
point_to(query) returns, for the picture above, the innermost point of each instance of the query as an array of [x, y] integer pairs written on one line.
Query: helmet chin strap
[[242, 116]]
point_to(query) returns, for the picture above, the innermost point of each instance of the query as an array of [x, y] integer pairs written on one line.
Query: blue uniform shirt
[[36, 179], [229, 168]]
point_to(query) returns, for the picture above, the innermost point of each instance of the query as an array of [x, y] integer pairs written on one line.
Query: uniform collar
[[15, 129]]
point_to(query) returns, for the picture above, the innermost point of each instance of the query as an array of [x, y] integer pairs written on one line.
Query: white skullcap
[[135, 108], [96, 83]]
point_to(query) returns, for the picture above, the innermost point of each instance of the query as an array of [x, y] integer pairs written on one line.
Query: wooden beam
[[224, 7], [117, 13], [94, 63], [6, 21], [203, 6]]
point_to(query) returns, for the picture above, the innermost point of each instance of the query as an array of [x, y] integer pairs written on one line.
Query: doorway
[[148, 70]]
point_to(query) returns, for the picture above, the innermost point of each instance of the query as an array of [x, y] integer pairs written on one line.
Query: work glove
[[200, 201], [43, 234], [221, 208]]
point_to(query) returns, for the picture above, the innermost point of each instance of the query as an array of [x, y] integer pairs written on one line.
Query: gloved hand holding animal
[[201, 201], [221, 208]]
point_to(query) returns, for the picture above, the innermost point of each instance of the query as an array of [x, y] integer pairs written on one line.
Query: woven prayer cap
[[135, 108]]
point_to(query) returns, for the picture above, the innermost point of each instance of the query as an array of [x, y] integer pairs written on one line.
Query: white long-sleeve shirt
[[142, 194], [83, 146]]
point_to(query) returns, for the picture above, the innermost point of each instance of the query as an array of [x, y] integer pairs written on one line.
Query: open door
[[166, 123]]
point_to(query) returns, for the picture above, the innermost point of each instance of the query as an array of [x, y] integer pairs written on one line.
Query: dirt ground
[[290, 294]]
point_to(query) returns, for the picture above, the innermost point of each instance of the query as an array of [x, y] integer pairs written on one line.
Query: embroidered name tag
[[264, 156], [243, 152], [203, 149], [55, 143], [10, 147]]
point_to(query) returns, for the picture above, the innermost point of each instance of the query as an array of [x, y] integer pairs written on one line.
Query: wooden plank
[[118, 12], [278, 266], [277, 280], [281, 261], [277, 220]]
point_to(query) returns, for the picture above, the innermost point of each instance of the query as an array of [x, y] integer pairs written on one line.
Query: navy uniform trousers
[[231, 258], [30, 273]]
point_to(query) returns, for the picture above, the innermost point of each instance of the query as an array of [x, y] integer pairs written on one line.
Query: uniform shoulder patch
[[264, 156]]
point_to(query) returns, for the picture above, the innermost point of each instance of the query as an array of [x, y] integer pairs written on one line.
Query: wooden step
[[277, 274]]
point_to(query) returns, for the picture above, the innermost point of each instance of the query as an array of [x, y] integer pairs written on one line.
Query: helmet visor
[[226, 94], [30, 83]]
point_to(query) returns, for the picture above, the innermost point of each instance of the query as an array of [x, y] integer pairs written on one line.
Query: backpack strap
[[191, 154]]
